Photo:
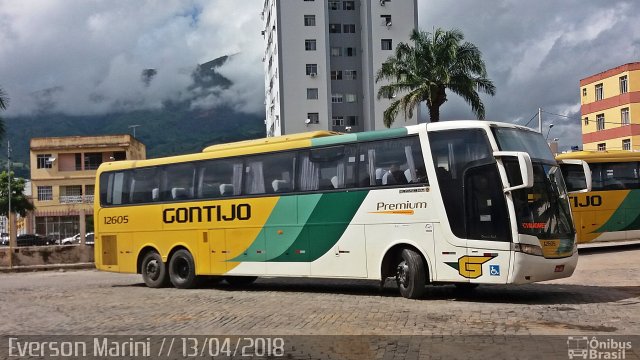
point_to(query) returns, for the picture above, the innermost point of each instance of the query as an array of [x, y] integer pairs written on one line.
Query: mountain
[[175, 129]]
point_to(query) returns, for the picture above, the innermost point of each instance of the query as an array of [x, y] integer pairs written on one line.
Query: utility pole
[[134, 129], [9, 224], [540, 120]]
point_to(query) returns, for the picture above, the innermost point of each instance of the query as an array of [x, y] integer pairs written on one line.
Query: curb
[[51, 267]]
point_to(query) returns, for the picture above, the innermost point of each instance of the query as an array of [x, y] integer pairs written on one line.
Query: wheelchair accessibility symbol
[[494, 270]]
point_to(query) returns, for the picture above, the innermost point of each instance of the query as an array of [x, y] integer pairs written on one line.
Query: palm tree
[[423, 72]]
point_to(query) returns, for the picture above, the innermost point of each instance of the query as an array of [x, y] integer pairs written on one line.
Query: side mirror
[[525, 165], [577, 175]]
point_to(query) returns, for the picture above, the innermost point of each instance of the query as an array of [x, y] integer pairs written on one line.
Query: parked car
[[75, 239], [4, 239], [31, 240]]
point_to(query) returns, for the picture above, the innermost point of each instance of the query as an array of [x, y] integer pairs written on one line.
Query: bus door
[[488, 229], [473, 198]]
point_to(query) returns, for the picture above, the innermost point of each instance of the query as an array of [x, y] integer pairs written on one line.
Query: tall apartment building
[[63, 171], [611, 109], [320, 60]]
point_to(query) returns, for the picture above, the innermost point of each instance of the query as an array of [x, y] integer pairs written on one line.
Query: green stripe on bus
[[325, 226], [363, 136], [622, 219], [281, 228]]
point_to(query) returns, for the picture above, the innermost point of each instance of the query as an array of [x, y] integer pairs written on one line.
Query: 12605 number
[[115, 220]]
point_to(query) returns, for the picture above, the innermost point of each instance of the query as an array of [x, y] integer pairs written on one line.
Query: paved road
[[603, 297]]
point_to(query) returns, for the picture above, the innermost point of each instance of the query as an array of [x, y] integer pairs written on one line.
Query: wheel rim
[[153, 269], [402, 274], [181, 268]]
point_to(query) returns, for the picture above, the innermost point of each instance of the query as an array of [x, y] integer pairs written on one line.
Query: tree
[[4, 101], [19, 202], [437, 62]]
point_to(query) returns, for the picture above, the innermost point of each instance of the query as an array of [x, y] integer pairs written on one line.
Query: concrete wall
[[47, 255]]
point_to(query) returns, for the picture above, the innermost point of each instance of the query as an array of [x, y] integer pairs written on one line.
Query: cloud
[[83, 58], [86, 57], [536, 52]]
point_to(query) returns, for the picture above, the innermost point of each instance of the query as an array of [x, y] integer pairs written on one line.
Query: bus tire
[[411, 275], [240, 280], [154, 270], [182, 270]]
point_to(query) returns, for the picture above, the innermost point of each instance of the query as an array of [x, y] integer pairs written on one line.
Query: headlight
[[528, 249]]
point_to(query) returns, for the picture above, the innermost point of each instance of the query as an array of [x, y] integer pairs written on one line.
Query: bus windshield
[[543, 210]]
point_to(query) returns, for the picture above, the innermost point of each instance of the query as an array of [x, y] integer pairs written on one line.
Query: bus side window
[[141, 185], [327, 168], [392, 162], [270, 173], [220, 177], [180, 181]]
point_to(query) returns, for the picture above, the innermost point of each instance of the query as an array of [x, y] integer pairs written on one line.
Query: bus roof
[[291, 141], [601, 156]]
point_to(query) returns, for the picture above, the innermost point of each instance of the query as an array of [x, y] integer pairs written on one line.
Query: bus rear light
[[559, 268], [528, 249]]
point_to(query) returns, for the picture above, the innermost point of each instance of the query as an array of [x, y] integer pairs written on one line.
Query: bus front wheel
[[411, 275], [154, 270], [182, 270]]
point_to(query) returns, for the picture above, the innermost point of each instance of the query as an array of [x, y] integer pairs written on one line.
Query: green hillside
[[176, 129]]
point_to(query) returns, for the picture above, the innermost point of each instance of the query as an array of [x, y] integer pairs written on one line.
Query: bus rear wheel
[[411, 275], [240, 280], [182, 270], [154, 270]]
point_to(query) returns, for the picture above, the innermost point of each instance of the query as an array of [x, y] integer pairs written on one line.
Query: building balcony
[[77, 199]]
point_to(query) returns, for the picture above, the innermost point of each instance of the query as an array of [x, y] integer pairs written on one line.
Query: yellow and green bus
[[434, 203], [611, 211]]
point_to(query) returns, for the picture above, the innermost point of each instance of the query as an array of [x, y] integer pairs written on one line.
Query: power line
[[580, 119], [533, 117]]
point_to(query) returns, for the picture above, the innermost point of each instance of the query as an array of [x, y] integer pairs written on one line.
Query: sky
[[85, 57]]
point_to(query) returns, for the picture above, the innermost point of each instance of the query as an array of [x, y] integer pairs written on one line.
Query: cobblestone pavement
[[603, 297]]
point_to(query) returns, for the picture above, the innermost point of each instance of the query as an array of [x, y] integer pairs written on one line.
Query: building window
[[350, 74], [626, 144], [586, 121], [337, 120], [600, 122], [350, 98], [386, 20], [624, 116], [312, 93], [336, 51], [312, 69], [334, 28], [92, 161], [350, 51], [334, 5], [337, 98], [387, 44], [352, 121], [584, 91], [336, 75], [349, 5], [310, 45], [314, 118], [45, 193], [602, 147], [309, 20], [623, 84], [349, 28], [44, 161], [599, 92]]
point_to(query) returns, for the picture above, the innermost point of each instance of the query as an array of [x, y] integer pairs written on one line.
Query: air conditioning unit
[[312, 75]]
